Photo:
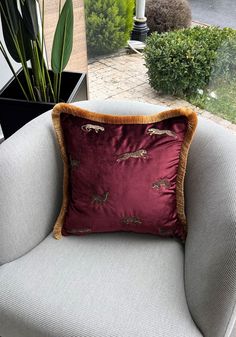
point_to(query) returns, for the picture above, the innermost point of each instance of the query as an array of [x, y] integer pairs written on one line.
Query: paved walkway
[[123, 77]]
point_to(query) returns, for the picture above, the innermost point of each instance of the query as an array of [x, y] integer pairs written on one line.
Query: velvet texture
[[122, 177]]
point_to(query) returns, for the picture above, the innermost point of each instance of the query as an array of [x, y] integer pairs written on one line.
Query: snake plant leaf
[[14, 31], [10, 19], [24, 41], [63, 39], [30, 17], [9, 8]]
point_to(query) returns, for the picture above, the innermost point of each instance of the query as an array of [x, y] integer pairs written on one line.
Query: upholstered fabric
[[210, 255], [123, 173], [119, 285], [130, 108], [30, 192]]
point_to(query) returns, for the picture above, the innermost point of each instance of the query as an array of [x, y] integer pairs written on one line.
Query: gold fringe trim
[[112, 119]]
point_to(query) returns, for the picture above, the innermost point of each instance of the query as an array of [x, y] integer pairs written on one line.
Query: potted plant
[[36, 88]]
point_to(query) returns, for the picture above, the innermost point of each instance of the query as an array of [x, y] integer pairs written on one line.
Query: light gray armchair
[[122, 284]]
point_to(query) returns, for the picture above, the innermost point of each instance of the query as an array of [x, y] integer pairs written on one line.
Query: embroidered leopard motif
[[131, 220], [161, 183], [74, 162], [154, 131], [100, 199], [89, 127], [137, 154]]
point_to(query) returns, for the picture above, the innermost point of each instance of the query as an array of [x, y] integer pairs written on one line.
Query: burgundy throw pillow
[[123, 173]]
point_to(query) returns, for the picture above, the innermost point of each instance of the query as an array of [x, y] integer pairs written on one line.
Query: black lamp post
[[140, 29]]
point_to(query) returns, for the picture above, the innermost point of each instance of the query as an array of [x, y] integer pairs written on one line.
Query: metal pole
[[140, 29]]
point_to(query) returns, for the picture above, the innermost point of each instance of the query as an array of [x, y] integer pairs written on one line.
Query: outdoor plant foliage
[[183, 61], [25, 45], [166, 15], [108, 24]]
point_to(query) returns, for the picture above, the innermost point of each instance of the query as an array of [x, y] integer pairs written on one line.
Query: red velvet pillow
[[123, 173]]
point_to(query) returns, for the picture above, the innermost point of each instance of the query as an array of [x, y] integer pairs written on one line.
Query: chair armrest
[[210, 264], [30, 187]]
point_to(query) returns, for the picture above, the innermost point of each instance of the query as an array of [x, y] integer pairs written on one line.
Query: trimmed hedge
[[183, 61], [109, 24], [167, 15]]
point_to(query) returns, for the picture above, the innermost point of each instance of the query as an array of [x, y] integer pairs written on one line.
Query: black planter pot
[[15, 111]]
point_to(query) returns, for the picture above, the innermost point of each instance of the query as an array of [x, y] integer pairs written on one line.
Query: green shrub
[[108, 24], [183, 61], [166, 15]]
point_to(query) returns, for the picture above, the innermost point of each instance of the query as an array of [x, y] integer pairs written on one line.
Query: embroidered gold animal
[[74, 162], [100, 199], [154, 131], [137, 154], [90, 127], [131, 219], [161, 183]]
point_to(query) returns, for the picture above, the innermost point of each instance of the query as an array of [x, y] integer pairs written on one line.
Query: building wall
[[78, 60]]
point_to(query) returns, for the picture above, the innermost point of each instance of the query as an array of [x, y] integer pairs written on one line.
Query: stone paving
[[123, 77]]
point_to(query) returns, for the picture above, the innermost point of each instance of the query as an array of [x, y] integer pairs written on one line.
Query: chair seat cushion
[[119, 285]]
